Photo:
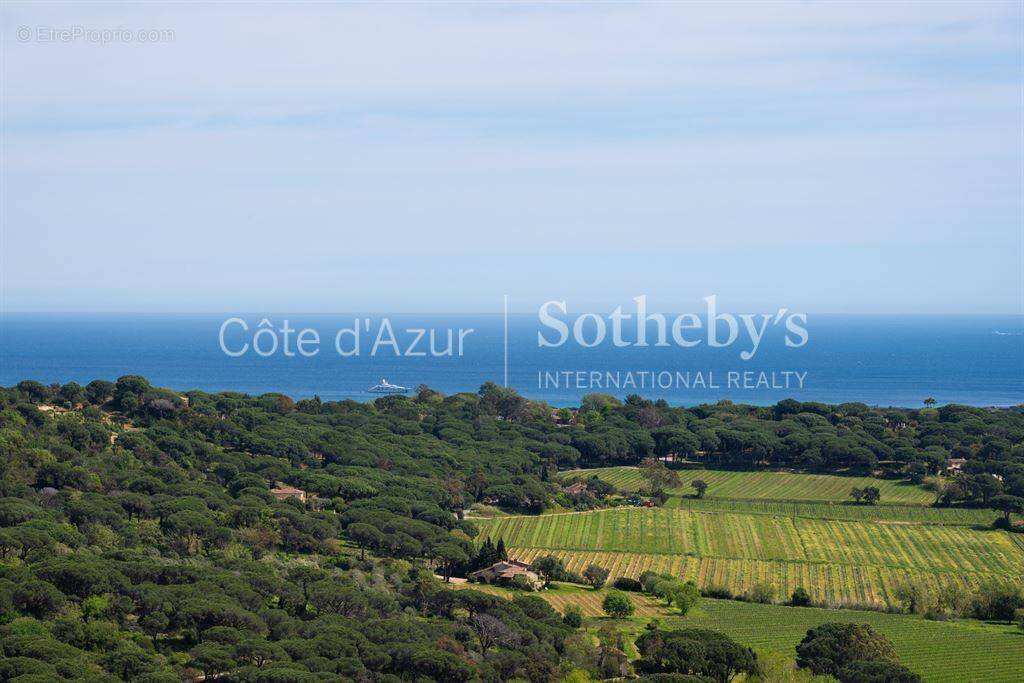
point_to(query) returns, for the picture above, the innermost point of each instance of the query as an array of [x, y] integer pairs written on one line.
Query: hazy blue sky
[[826, 156]]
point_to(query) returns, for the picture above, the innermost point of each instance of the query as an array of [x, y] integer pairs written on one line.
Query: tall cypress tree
[[487, 555]]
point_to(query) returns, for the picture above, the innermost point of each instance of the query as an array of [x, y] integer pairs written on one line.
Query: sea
[[884, 360]]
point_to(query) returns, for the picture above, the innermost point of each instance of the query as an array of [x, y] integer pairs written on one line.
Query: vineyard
[[838, 562], [861, 513], [834, 585], [764, 537], [779, 486]]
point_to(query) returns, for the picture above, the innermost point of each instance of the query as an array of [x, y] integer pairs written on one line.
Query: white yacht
[[386, 387]]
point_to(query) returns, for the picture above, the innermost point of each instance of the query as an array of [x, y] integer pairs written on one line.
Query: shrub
[[596, 576], [998, 603], [522, 583], [762, 593], [573, 616], [915, 598], [685, 596], [618, 605], [624, 583], [648, 580], [663, 589], [720, 592], [800, 597]]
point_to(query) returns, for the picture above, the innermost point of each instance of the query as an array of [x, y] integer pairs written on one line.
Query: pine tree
[[500, 550], [486, 556]]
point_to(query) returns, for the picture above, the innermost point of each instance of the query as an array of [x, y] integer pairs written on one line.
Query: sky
[[826, 157]]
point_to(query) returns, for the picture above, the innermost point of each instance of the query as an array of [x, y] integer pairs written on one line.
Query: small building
[[577, 488], [954, 465], [284, 492], [505, 571], [563, 417]]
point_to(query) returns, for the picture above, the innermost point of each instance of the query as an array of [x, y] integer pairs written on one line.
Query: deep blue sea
[[880, 360]]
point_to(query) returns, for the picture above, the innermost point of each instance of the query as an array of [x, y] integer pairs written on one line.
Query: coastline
[[876, 360]]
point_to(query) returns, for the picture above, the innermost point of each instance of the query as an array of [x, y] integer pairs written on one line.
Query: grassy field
[[943, 652], [940, 651], [838, 562], [778, 486]]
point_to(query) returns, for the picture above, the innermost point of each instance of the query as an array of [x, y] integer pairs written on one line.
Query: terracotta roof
[[505, 569]]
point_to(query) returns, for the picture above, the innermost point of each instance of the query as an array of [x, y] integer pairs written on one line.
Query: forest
[[141, 538]]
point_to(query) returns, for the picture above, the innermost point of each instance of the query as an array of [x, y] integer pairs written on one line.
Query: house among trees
[[505, 572], [954, 465], [284, 492], [577, 488], [563, 417]]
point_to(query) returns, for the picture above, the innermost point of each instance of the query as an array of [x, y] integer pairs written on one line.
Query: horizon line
[[496, 314]]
